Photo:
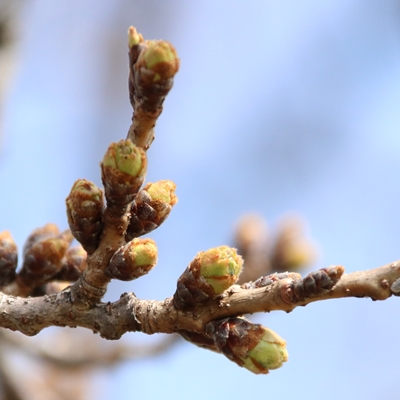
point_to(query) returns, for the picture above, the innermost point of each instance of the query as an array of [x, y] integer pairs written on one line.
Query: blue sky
[[289, 106]]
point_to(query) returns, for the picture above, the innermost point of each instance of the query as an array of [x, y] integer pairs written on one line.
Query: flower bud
[[133, 260], [44, 232], [125, 157], [207, 276], [43, 260], [161, 58], [153, 65], [220, 267], [8, 258], [73, 264], [85, 206], [123, 170], [151, 208], [251, 346]]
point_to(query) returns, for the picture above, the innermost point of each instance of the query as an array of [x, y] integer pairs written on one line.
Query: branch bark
[[130, 314]]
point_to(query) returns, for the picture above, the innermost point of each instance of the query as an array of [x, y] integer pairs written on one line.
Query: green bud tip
[[163, 191], [84, 196], [133, 260], [161, 57], [269, 353], [126, 157], [220, 267], [134, 38], [87, 189], [144, 252], [158, 51]]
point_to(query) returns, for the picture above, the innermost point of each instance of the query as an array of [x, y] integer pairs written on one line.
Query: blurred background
[[278, 107]]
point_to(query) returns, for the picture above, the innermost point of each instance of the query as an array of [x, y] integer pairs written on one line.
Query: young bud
[[44, 232], [159, 57], [251, 346], [150, 80], [208, 275], [123, 170], [8, 258], [151, 208], [85, 206], [73, 264], [43, 260], [133, 260]]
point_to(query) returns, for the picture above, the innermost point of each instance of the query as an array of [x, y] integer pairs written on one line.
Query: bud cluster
[[209, 274], [46, 257]]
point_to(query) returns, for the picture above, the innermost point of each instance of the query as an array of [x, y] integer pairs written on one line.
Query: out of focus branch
[[8, 45]]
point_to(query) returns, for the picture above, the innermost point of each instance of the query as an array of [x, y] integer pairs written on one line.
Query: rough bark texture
[[130, 314]]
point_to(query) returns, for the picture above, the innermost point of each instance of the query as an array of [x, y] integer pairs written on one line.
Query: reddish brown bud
[[43, 260], [44, 232], [199, 340], [73, 264], [151, 208], [8, 258], [85, 206]]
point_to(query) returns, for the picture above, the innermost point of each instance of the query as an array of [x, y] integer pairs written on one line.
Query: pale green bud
[[126, 157], [269, 353], [133, 260], [220, 267]]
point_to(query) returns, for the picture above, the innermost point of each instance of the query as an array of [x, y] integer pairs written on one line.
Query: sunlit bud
[[85, 206], [251, 346], [151, 208], [161, 58], [220, 267], [133, 260], [125, 157], [8, 258], [152, 67], [123, 170], [208, 275]]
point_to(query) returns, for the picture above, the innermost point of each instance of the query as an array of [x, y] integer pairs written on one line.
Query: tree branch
[[129, 314]]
